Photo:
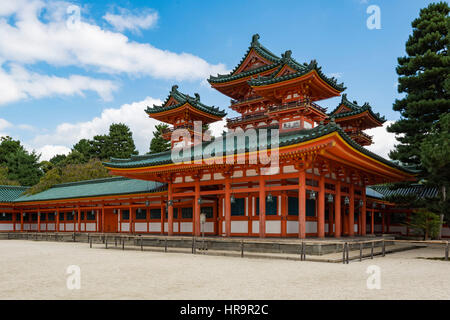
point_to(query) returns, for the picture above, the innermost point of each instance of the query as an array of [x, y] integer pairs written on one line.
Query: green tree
[[158, 143], [425, 223], [435, 158], [93, 169], [118, 143], [24, 167], [57, 159], [4, 180], [84, 146], [424, 78]]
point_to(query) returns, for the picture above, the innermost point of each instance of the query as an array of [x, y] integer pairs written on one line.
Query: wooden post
[[196, 216], [227, 205], [351, 214], [363, 211], [284, 200], [131, 220], [170, 213], [242, 248], [21, 220], [165, 244], [371, 250], [321, 208], [384, 248], [163, 214], [39, 221], [79, 219], [301, 204], [103, 218], [337, 209], [262, 206]]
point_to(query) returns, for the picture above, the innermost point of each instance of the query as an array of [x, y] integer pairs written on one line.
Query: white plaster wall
[[186, 227], [50, 227], [61, 227], [69, 227], [90, 226], [239, 226], [209, 227], [154, 227], [6, 227], [255, 226], [140, 227], [311, 227], [125, 227], [273, 226], [292, 227]]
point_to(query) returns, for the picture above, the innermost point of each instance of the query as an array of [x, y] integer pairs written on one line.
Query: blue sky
[[59, 85]]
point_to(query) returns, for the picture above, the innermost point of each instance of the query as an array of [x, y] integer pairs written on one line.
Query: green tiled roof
[[355, 109], [182, 98], [276, 62], [94, 188], [301, 70], [10, 193], [419, 190], [285, 139], [261, 50]]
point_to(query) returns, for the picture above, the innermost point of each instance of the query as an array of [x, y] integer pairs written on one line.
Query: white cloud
[[4, 124], [49, 151], [383, 141], [126, 20], [31, 37], [133, 115], [18, 84]]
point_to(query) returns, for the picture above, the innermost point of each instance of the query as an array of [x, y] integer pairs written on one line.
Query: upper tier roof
[[354, 110], [94, 188], [273, 62], [10, 193], [179, 99]]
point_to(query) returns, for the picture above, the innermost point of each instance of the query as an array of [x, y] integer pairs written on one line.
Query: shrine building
[[322, 183]]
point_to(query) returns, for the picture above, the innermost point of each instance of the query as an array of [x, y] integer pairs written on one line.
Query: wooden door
[[111, 221]]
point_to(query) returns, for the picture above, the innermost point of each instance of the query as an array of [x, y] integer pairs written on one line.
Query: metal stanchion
[[142, 246], [123, 244], [371, 250], [106, 243], [360, 251], [446, 251], [384, 248], [165, 244], [344, 248], [242, 248]]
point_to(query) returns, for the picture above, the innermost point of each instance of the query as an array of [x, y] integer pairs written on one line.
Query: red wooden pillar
[[103, 218], [131, 220], [79, 219], [227, 206], [57, 220], [196, 221], [302, 204], [337, 210], [284, 199], [21, 220], [262, 207], [170, 213], [321, 208], [163, 214], [39, 221], [351, 214], [364, 213], [250, 213]]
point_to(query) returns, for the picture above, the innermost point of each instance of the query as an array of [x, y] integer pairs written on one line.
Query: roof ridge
[[81, 182], [13, 187]]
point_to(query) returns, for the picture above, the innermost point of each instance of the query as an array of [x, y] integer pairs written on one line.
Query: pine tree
[[424, 78], [118, 143], [158, 143]]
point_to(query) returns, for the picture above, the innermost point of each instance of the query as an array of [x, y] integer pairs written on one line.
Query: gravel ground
[[37, 270]]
